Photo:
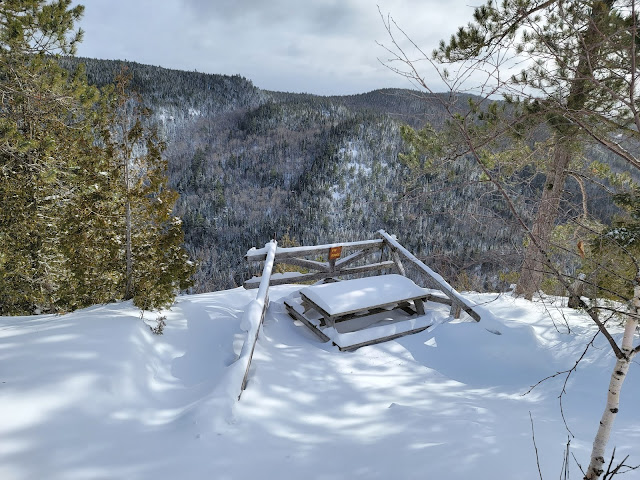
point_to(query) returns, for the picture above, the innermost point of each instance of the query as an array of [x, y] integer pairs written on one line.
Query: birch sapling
[[618, 376]]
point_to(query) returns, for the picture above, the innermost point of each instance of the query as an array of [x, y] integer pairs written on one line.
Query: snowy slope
[[94, 395]]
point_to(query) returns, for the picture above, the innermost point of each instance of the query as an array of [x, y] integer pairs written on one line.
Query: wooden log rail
[[255, 312], [320, 270]]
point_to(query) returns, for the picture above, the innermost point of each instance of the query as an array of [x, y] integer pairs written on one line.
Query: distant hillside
[[251, 165]]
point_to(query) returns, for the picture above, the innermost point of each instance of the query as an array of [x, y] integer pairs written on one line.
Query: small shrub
[[161, 322]]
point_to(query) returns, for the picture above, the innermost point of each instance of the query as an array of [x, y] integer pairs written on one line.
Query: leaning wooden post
[[397, 261], [458, 302], [255, 313], [393, 255]]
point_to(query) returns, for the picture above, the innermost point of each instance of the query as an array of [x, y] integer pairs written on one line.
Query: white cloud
[[315, 46]]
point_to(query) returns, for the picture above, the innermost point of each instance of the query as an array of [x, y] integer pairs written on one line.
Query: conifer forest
[[250, 165]]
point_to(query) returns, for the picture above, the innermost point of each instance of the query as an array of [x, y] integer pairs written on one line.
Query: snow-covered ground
[[95, 395]]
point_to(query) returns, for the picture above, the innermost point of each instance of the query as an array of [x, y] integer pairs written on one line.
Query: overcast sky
[[325, 47]]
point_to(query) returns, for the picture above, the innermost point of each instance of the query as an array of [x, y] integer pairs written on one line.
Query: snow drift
[[95, 395]]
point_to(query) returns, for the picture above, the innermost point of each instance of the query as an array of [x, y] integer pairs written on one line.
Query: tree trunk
[[128, 292], [578, 289], [128, 289], [620, 370], [532, 270], [531, 273]]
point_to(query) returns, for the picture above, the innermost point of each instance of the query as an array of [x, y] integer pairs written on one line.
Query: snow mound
[[95, 395]]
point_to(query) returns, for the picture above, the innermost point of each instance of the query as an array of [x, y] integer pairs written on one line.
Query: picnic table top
[[349, 296]]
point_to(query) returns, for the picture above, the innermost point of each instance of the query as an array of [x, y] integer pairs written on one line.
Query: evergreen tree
[[615, 253], [152, 261], [38, 138], [91, 241], [86, 212]]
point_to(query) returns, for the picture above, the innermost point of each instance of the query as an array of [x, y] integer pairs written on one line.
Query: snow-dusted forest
[[251, 165]]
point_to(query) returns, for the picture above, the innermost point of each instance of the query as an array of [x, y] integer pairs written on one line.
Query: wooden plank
[[385, 251], [332, 266], [343, 262], [309, 277], [405, 307], [275, 279], [298, 316], [438, 299], [456, 308], [328, 319], [397, 261], [245, 379], [290, 252], [349, 348], [304, 263]]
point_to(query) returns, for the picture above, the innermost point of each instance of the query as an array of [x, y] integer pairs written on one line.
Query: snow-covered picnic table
[[344, 299]]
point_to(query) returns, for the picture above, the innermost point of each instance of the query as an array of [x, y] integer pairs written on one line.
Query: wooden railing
[[255, 312], [319, 270], [384, 253]]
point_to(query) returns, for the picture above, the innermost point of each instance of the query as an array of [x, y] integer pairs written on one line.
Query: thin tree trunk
[[128, 293], [618, 375], [532, 270], [128, 290]]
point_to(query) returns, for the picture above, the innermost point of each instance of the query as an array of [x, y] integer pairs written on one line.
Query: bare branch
[[533, 437]]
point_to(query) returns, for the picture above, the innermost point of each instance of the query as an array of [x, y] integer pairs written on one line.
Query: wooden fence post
[[260, 304]]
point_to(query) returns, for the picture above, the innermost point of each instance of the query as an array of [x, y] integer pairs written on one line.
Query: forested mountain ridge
[[251, 165]]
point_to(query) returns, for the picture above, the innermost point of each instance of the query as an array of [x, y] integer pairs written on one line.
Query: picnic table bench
[[347, 299], [321, 307]]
